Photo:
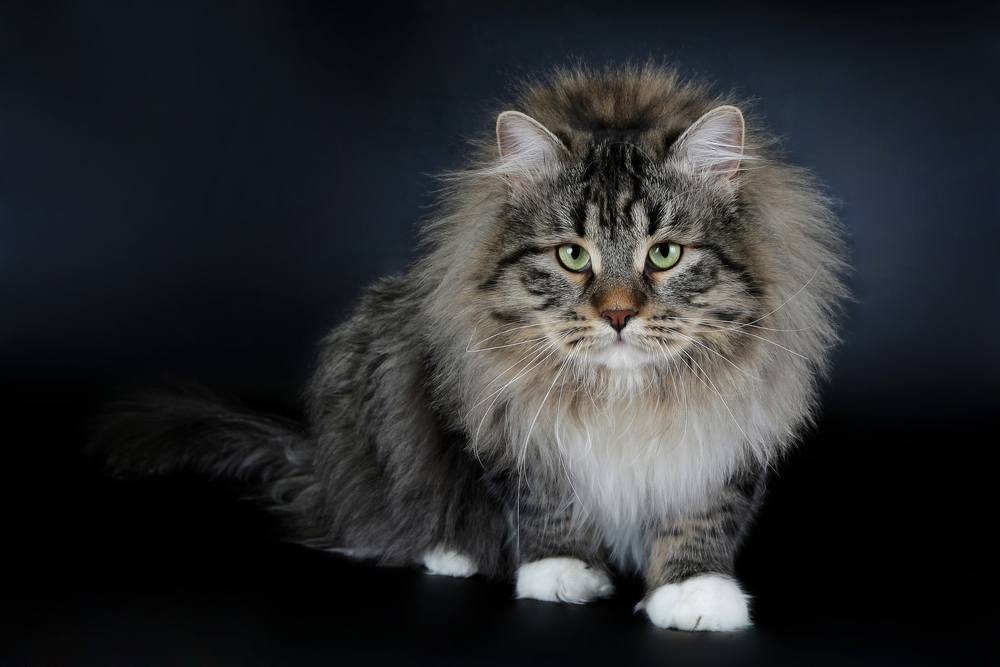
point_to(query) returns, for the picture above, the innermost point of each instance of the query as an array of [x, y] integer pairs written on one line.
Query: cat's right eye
[[663, 256], [573, 257]]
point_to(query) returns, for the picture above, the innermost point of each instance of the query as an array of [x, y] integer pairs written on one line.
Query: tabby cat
[[617, 323]]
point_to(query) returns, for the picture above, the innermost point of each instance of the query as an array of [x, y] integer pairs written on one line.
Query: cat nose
[[619, 317]]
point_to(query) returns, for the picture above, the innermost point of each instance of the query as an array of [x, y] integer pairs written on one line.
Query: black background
[[201, 190]]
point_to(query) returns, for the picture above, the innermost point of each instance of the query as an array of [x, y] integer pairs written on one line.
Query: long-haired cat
[[618, 320]]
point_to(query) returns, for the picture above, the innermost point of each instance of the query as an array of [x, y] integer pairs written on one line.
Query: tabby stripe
[[507, 260], [753, 287]]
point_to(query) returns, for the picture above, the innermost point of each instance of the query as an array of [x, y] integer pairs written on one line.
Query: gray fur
[[466, 404]]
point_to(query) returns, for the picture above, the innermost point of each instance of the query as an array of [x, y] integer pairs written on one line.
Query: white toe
[[440, 560], [707, 602], [562, 580]]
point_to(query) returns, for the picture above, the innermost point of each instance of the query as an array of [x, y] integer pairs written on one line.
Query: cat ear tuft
[[525, 145], [713, 144]]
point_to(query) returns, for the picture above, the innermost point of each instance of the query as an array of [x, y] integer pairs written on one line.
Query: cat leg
[[689, 571], [557, 560], [468, 526]]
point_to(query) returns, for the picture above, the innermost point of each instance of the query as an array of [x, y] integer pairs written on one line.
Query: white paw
[[562, 580], [448, 563], [707, 602]]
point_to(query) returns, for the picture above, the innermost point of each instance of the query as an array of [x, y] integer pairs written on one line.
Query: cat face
[[623, 259]]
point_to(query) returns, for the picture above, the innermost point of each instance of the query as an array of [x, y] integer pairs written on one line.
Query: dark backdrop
[[200, 190]]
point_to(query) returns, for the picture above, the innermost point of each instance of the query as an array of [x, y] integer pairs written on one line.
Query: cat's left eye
[[573, 257], [663, 256]]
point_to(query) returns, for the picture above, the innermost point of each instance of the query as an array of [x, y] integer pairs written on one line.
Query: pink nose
[[619, 318]]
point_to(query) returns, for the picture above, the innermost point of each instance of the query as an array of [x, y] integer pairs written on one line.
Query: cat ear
[[525, 146], [713, 144]]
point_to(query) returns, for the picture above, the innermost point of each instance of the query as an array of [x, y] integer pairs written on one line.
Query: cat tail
[[198, 433]]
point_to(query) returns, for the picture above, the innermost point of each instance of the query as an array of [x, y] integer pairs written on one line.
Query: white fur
[[709, 602], [630, 465], [562, 580], [440, 560], [621, 355]]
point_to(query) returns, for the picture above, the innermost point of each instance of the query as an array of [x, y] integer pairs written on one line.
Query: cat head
[[622, 249]]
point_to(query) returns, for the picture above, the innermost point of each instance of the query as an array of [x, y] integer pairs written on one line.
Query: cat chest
[[627, 476]]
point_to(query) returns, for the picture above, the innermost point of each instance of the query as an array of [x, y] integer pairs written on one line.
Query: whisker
[[543, 350], [545, 353], [738, 330], [517, 328], [500, 347], [719, 354], [527, 353], [737, 322], [768, 340]]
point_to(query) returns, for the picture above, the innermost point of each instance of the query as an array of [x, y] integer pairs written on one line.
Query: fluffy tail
[[196, 432]]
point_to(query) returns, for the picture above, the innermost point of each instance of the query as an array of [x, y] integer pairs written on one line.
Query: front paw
[[562, 580], [447, 562], [707, 602]]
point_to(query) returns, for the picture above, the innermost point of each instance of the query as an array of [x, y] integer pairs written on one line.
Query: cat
[[617, 323]]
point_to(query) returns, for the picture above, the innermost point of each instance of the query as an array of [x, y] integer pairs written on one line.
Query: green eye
[[573, 257], [662, 256]]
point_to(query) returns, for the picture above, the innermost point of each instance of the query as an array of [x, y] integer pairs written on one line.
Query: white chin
[[620, 355]]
